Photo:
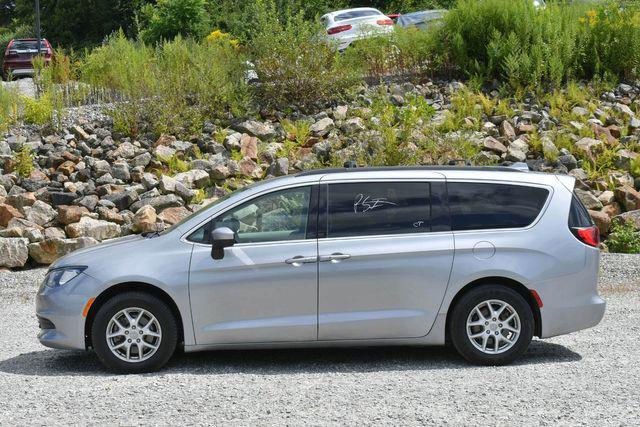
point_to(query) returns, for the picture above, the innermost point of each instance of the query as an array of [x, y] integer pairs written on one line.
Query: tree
[[78, 23], [169, 18]]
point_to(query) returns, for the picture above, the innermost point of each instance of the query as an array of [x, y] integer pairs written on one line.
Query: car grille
[[45, 323]]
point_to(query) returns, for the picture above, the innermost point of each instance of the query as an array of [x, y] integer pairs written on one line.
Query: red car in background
[[19, 55]]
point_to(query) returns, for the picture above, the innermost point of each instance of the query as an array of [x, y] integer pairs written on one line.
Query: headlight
[[62, 276]]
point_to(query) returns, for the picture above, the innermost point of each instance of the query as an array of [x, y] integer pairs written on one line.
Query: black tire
[[151, 304], [463, 308]]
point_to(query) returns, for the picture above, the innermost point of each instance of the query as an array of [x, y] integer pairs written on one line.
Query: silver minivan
[[482, 259]]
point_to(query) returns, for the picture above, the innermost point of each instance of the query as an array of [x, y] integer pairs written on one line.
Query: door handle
[[334, 257], [297, 261]]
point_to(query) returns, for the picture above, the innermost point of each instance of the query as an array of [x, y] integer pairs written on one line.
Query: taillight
[[587, 235], [384, 22], [339, 29]]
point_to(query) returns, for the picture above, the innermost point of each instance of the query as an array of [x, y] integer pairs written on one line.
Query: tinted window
[[356, 14], [362, 209], [488, 206], [277, 216], [578, 215]]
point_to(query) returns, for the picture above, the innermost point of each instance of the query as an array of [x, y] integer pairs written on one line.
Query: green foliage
[[170, 88], [635, 167], [623, 238], [407, 52], [169, 18], [24, 161], [174, 164], [8, 107], [512, 40], [293, 65], [611, 34], [298, 131], [77, 23], [38, 111], [199, 197]]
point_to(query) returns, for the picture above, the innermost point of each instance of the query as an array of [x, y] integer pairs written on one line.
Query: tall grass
[[172, 86], [527, 47]]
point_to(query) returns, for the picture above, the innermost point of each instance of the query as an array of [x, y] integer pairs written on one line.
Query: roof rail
[[520, 166]]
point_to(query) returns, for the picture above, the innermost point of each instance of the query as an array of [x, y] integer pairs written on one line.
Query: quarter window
[[378, 208], [277, 216], [481, 206]]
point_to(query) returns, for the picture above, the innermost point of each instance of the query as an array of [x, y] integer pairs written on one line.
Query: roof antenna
[[350, 164]]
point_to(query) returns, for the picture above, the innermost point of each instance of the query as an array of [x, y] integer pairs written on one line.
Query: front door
[[265, 287], [384, 264]]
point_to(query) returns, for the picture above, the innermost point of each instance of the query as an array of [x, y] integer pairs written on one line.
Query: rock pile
[[90, 184]]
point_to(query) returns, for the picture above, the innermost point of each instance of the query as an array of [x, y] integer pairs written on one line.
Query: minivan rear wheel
[[134, 332], [491, 325]]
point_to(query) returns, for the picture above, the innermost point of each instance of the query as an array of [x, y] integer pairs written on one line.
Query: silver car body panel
[[394, 289]]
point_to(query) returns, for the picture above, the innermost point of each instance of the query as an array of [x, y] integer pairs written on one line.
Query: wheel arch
[[120, 288], [502, 281]]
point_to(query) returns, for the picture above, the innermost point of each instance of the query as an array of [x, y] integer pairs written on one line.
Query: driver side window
[[273, 217]]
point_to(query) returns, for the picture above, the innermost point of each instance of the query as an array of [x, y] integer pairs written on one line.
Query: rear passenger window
[[481, 206], [378, 208]]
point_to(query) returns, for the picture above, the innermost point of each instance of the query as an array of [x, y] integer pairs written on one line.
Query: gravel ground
[[589, 378]]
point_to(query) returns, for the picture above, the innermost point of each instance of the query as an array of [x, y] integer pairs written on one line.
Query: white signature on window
[[364, 203]]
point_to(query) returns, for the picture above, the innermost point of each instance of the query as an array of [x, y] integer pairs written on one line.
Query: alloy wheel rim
[[493, 326], [133, 335]]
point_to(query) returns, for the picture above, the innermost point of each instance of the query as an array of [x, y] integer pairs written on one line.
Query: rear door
[[384, 258]]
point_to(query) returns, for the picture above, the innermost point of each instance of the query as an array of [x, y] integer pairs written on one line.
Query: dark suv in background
[[19, 54]]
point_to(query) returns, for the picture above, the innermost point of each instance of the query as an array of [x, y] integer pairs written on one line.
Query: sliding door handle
[[297, 261], [335, 257]]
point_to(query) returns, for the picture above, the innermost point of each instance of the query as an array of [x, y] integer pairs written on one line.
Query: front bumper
[[62, 307], [19, 72]]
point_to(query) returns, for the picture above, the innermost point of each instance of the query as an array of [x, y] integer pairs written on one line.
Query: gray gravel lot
[[586, 378]]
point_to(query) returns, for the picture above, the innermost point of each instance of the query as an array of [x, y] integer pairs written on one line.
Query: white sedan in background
[[348, 25]]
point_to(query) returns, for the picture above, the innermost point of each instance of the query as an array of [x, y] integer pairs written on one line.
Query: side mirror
[[221, 237]]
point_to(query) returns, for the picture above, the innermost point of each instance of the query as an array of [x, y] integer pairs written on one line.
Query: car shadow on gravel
[[279, 362]]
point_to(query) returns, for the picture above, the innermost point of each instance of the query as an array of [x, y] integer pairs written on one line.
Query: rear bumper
[[19, 72], [563, 320], [571, 303]]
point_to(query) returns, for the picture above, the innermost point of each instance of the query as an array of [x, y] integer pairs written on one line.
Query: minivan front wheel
[[134, 332], [491, 325]]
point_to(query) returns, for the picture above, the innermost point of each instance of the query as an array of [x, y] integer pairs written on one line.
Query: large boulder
[[159, 203], [144, 219], [632, 216], [94, 228], [14, 252], [322, 127], [194, 178], [588, 199], [173, 215], [41, 213], [49, 250], [70, 214], [7, 213], [262, 130], [629, 197]]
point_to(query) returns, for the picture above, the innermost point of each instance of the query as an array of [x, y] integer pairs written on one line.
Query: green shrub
[[408, 52], [610, 40], [8, 107], [623, 238], [294, 65], [512, 40], [38, 111], [169, 18], [24, 161], [170, 88]]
